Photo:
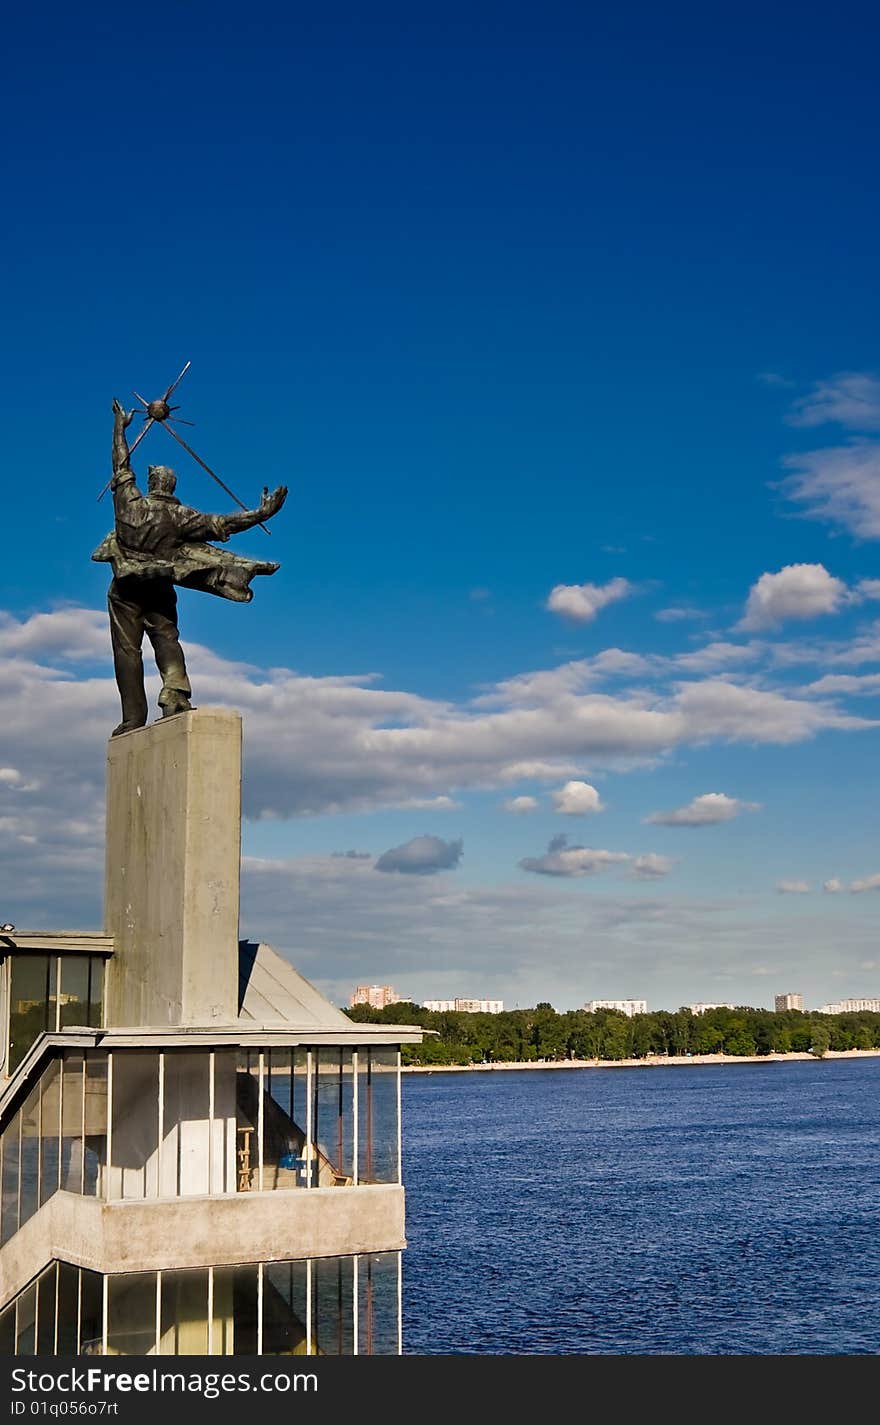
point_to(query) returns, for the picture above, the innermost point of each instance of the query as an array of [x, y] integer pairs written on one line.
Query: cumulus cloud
[[714, 656], [560, 859], [421, 856], [866, 683], [705, 810], [850, 399], [870, 883], [354, 855], [839, 484], [833, 886], [577, 799], [582, 602], [793, 888], [799, 591], [519, 806], [650, 866]]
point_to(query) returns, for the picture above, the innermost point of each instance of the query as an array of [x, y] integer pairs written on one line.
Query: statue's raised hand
[[271, 504], [119, 410]]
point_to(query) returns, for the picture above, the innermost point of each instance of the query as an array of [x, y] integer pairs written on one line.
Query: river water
[[720, 1209]]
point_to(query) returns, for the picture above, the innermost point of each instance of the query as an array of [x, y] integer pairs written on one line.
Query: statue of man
[[157, 543]]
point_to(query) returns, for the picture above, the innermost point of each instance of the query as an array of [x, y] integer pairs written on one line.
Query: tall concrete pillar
[[173, 860]]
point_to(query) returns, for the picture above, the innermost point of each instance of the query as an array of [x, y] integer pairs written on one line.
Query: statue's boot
[[126, 727], [173, 702]]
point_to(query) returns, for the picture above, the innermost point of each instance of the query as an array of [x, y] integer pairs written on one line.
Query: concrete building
[[376, 996], [466, 1006], [783, 1002], [852, 1006], [703, 1008], [628, 1007], [199, 1154]]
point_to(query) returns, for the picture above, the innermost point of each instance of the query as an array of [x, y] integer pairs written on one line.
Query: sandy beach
[[655, 1061]]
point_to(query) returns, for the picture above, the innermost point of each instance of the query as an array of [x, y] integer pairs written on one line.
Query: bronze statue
[[157, 543]]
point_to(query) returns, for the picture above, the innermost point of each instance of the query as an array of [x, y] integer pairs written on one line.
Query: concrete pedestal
[[171, 891]]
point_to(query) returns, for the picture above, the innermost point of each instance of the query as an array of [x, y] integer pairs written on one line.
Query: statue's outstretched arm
[[270, 504], [121, 420]]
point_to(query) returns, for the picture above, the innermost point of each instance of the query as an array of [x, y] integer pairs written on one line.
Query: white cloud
[[651, 867], [577, 799], [840, 484], [850, 399], [799, 591], [677, 614], [866, 683], [560, 859], [519, 806], [870, 883], [421, 856], [714, 656], [582, 602], [793, 888], [706, 810], [833, 886]]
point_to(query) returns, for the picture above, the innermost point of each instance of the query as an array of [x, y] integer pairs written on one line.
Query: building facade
[[703, 1007], [629, 1007], [199, 1154], [464, 1006], [784, 1002], [853, 1006], [376, 996]]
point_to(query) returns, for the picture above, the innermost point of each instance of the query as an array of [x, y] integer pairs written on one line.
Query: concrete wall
[[200, 1232], [171, 890]]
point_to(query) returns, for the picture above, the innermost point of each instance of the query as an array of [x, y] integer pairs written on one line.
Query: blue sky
[[514, 302]]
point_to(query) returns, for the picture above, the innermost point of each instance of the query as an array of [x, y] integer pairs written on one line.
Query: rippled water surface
[[719, 1209]]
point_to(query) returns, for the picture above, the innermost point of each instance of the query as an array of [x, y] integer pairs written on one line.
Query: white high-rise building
[[783, 1002], [852, 1006], [703, 1008], [464, 1006], [628, 1007]]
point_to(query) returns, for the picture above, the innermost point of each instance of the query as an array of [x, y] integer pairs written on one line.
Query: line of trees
[[526, 1035]]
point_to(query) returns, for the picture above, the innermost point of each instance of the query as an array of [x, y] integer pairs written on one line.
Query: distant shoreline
[[656, 1061]]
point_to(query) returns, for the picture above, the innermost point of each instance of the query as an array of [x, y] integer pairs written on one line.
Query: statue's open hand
[[118, 410], [271, 504]]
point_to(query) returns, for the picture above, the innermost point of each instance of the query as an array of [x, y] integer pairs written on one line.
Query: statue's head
[[161, 480]]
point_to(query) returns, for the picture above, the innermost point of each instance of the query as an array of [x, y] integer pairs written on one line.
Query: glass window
[[95, 1164], [50, 1131], [131, 1314], [29, 1174], [377, 1116], [73, 991], [135, 1139], [284, 1139], [91, 1314], [7, 1331], [46, 1311], [223, 1125], [378, 1304], [332, 1306], [333, 1121], [31, 1002], [26, 1323], [285, 1304], [72, 1090], [185, 1124], [68, 1309], [11, 1159], [247, 1098], [235, 1311], [96, 991], [184, 1330]]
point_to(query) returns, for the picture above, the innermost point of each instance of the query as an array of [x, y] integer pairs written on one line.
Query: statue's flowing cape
[[193, 566]]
